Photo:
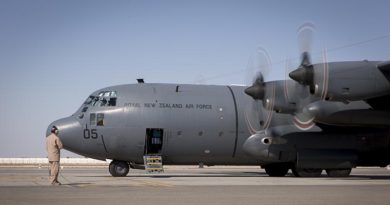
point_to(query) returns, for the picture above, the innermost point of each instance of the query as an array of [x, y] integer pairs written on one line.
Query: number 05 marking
[[90, 133]]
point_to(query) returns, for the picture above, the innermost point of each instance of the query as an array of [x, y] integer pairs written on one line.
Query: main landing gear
[[298, 172], [118, 168], [317, 172], [338, 172], [280, 170]]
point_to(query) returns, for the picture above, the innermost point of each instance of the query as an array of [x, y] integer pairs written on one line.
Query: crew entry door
[[154, 141]]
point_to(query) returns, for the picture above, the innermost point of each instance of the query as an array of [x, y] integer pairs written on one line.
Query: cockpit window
[[103, 102], [92, 118], [112, 102], [95, 101], [84, 109], [100, 119], [104, 98], [96, 119], [89, 100]]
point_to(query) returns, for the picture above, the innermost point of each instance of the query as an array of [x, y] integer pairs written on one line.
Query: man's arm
[[59, 143]]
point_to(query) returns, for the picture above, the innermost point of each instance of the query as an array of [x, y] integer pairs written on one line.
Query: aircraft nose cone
[[68, 131], [255, 91]]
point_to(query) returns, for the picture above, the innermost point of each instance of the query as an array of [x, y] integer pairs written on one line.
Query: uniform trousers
[[54, 170]]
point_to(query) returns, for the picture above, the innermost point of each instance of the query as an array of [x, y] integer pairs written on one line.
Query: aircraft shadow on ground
[[245, 174], [204, 174], [367, 177]]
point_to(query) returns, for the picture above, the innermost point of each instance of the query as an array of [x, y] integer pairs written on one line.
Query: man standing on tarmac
[[53, 146]]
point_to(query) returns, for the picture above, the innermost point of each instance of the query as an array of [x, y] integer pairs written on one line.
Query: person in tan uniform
[[53, 146]]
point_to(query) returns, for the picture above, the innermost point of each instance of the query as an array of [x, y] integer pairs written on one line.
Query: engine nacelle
[[350, 81], [268, 146], [277, 99], [257, 146]]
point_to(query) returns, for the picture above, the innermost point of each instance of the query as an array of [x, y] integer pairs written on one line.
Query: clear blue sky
[[53, 54]]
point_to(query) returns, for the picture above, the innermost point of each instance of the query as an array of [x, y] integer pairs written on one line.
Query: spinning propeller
[[258, 69], [306, 86]]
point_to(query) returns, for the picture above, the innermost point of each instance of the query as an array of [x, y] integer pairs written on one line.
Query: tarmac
[[190, 185]]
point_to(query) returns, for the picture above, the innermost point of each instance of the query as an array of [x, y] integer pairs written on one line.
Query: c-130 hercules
[[330, 116]]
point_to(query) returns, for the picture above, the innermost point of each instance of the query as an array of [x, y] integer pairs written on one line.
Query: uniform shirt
[[53, 146]]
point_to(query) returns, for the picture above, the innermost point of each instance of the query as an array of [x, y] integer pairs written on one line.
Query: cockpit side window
[[103, 102], [112, 102], [89, 100], [95, 101], [92, 118], [84, 109], [96, 119], [100, 119]]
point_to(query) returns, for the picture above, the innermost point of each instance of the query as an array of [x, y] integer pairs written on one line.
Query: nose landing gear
[[276, 170], [118, 168]]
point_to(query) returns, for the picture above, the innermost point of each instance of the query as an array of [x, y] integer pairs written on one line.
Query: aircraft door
[[154, 141]]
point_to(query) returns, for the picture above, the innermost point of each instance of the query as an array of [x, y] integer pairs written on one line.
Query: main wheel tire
[[118, 168], [338, 172], [276, 170], [298, 172]]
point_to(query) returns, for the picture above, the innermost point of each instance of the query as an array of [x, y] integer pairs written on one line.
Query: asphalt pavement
[[191, 185]]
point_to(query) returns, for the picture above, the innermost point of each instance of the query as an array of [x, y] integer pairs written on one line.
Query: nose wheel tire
[[338, 172], [118, 168], [299, 172], [276, 170]]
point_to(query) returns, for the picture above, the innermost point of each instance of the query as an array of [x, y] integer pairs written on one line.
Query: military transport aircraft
[[328, 116]]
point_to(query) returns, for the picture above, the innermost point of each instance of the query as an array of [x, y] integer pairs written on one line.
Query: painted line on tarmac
[[154, 183]]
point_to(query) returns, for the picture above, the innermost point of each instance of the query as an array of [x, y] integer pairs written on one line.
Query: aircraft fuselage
[[208, 124]]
